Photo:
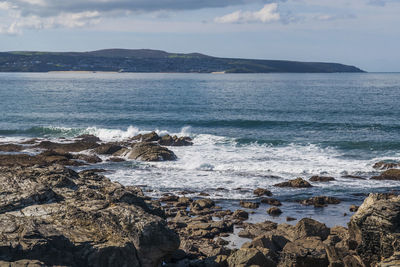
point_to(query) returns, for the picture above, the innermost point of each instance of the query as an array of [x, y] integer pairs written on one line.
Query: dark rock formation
[[271, 201], [11, 148], [317, 178], [55, 216], [77, 146], [392, 174], [262, 192], [151, 152], [296, 183], [107, 149], [249, 204], [384, 165], [320, 201], [274, 211]]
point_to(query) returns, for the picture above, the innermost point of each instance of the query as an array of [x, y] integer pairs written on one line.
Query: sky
[[364, 33]]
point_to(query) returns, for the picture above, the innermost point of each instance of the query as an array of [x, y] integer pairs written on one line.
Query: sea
[[249, 130]]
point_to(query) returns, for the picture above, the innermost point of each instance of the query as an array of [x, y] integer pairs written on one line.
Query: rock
[[88, 138], [274, 211], [151, 152], [308, 251], [168, 140], [116, 159], [88, 158], [262, 192], [169, 198], [59, 217], [251, 230], [11, 148], [375, 228], [107, 149], [201, 204], [249, 205], [44, 159], [296, 183], [320, 201], [271, 201], [307, 227], [391, 262], [392, 174], [290, 219], [317, 178], [149, 137], [77, 146], [353, 208], [273, 242], [240, 215], [249, 257], [384, 165]]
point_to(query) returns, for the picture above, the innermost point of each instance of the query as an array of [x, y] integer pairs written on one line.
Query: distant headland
[[146, 60]]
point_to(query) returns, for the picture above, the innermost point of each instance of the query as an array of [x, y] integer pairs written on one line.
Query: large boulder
[[320, 201], [295, 183], [250, 257], [392, 174], [55, 216], [151, 152], [375, 228], [107, 149]]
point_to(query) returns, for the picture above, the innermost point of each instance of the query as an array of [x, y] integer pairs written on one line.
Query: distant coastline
[[145, 60]]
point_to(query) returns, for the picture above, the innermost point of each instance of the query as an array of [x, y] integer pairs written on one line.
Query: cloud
[[267, 14]]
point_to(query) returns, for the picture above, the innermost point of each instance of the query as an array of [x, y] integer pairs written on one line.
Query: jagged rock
[[240, 215], [149, 137], [151, 152], [251, 230], [250, 257], [262, 192], [10, 148], [309, 251], [107, 149], [56, 216], [77, 146], [391, 262], [201, 204], [375, 228], [273, 242], [88, 158], [274, 211], [296, 183], [392, 174], [249, 205], [307, 227], [271, 201], [384, 165], [317, 178], [320, 201], [88, 138], [168, 140], [353, 208]]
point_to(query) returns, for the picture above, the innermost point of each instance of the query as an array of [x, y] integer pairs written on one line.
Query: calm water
[[249, 130]]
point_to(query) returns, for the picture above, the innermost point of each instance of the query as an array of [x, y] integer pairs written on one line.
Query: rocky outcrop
[[165, 140], [55, 216], [151, 152], [392, 174], [262, 192], [375, 228], [384, 165], [295, 183], [107, 149], [11, 147], [320, 201], [249, 204], [271, 201], [77, 146], [317, 178]]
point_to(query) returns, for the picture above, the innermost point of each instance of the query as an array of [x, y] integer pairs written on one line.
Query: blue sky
[[365, 33]]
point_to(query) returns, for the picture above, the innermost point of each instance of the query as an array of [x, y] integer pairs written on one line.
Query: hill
[[146, 60]]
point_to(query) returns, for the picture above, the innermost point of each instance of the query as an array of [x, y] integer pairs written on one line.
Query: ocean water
[[249, 130]]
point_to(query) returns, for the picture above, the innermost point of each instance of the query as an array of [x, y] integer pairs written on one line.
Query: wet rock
[[290, 219], [44, 159], [353, 208], [317, 178], [320, 201], [59, 217], [375, 228], [308, 251], [392, 174], [262, 192], [88, 158], [384, 165], [11, 148], [354, 177], [149, 137], [151, 152], [67, 147], [88, 138], [296, 183], [250, 257], [107, 149], [116, 159], [201, 204], [274, 211], [168, 140], [251, 230], [240, 215], [271, 201], [391, 262], [169, 198], [204, 194], [249, 205]]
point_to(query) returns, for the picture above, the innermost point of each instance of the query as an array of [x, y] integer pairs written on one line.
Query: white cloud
[[269, 13]]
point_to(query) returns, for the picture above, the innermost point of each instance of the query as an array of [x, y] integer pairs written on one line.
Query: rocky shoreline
[[52, 215]]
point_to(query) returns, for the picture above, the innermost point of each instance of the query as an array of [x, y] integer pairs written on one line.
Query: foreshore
[[85, 219]]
